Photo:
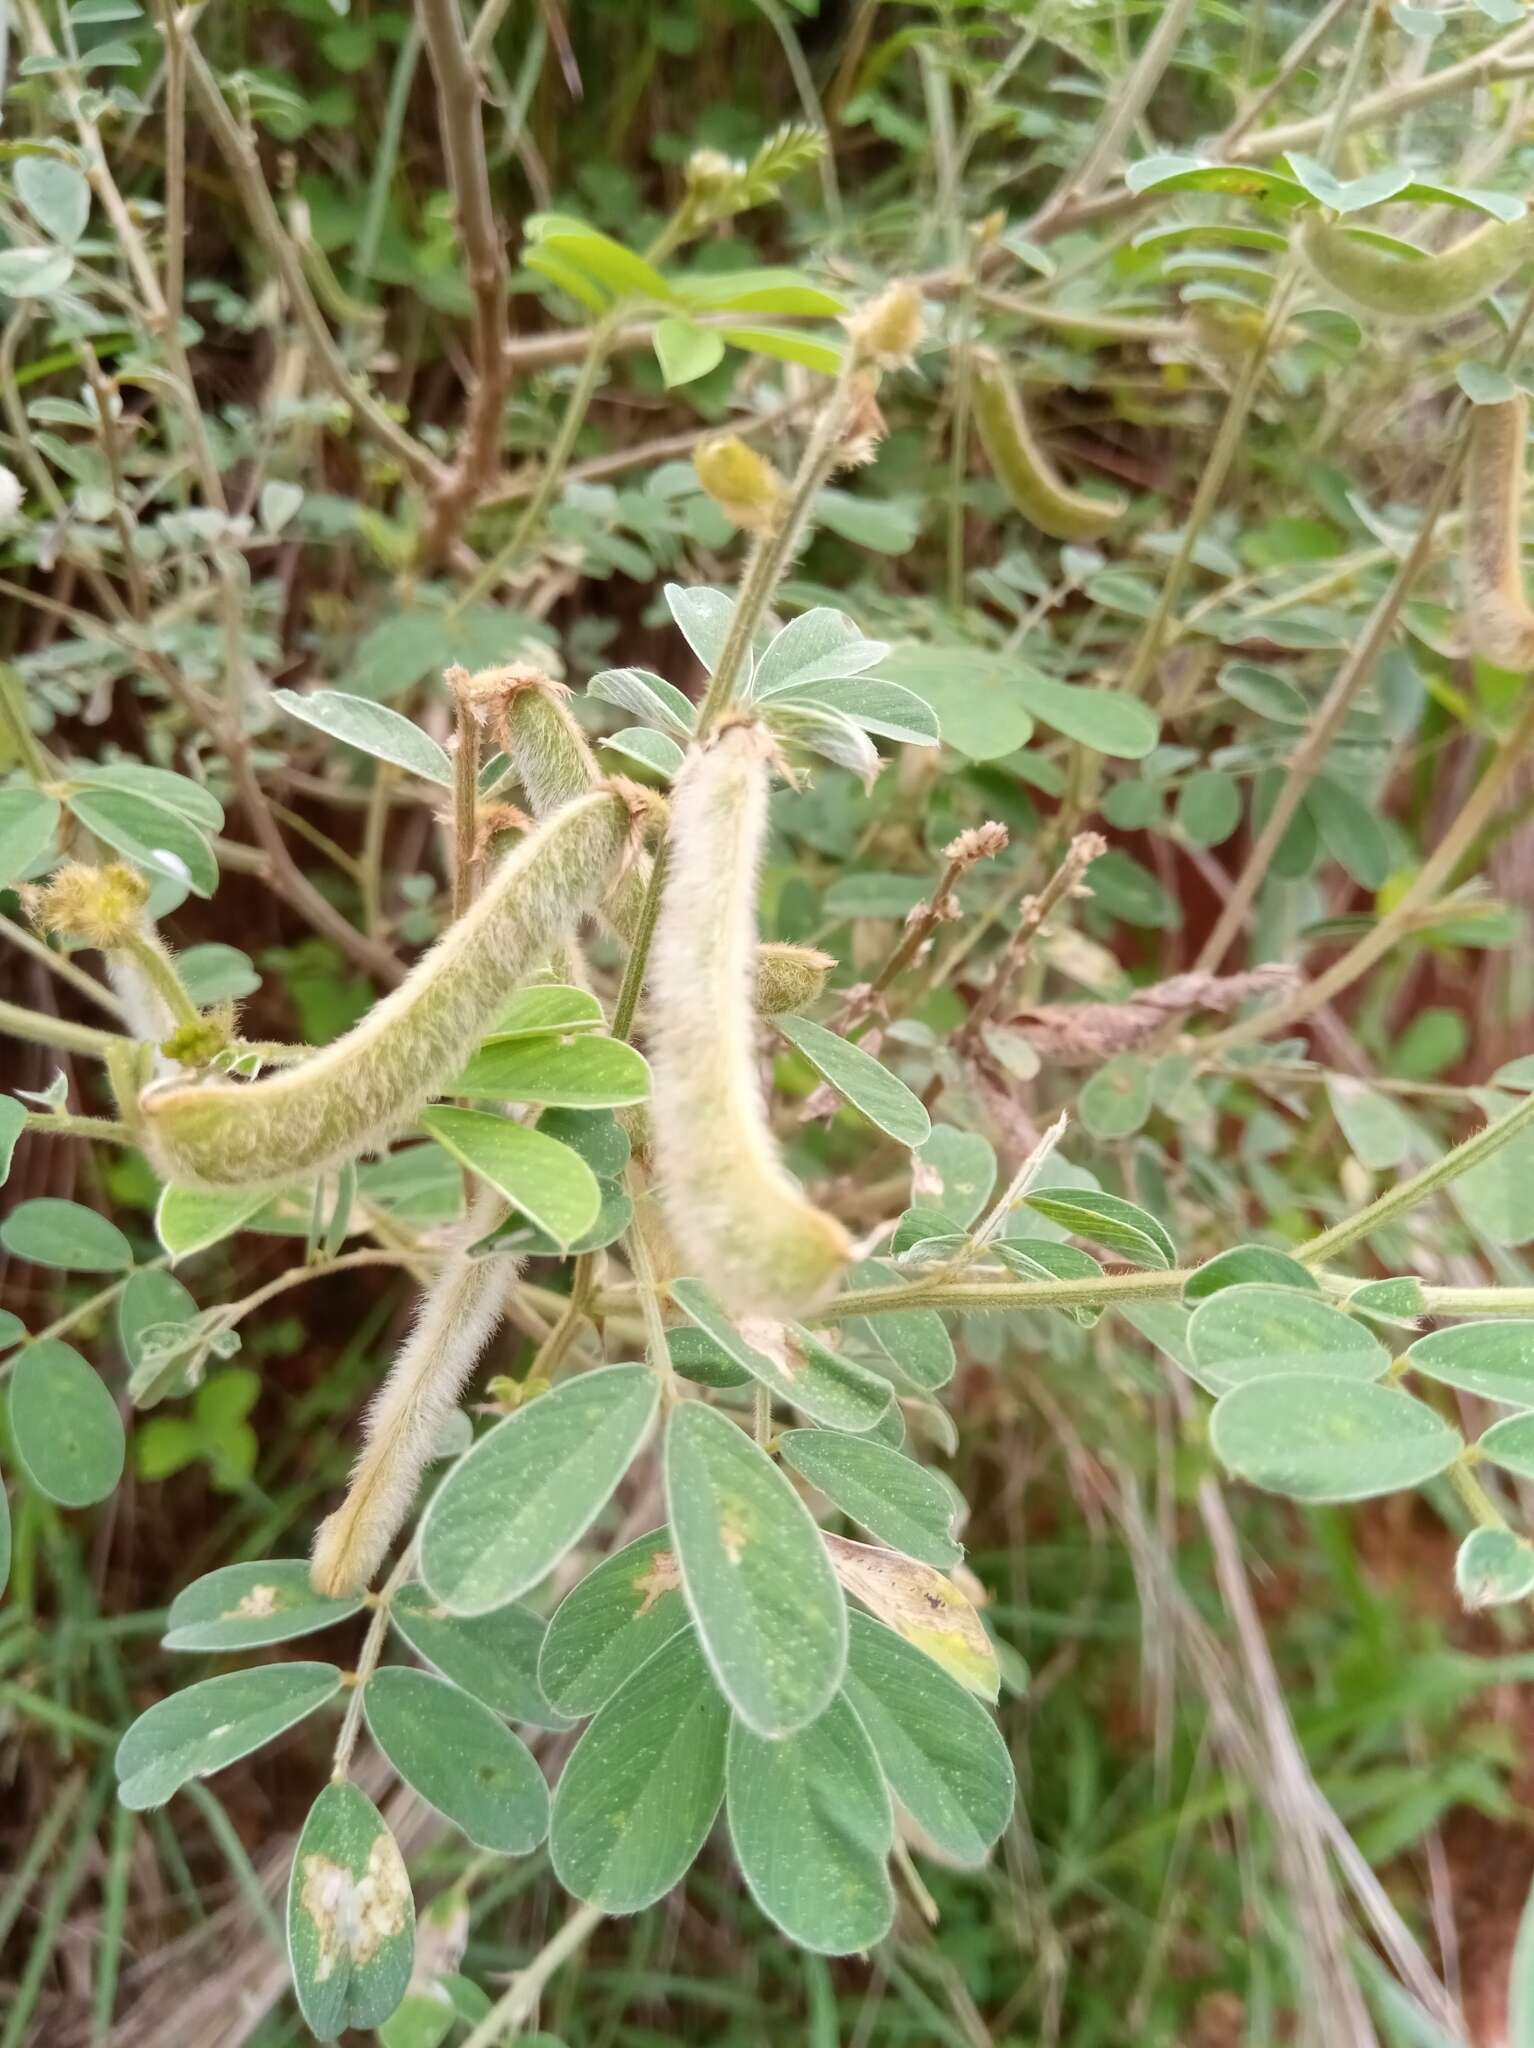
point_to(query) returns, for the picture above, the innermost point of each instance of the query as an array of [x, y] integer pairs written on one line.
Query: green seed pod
[[1500, 622], [1421, 290], [457, 1318], [738, 1217], [356, 1094], [1022, 468], [554, 762]]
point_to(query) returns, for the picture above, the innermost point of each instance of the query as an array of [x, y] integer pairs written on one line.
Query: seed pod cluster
[[1419, 290], [1500, 622], [738, 1217], [1022, 468], [358, 1093]]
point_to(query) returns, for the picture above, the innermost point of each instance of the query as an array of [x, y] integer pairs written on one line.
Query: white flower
[[11, 495]]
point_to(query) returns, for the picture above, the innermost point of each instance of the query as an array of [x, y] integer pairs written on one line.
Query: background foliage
[[266, 434]]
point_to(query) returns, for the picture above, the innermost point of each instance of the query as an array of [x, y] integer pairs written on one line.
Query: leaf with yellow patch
[[351, 1919], [247, 1605], [609, 1624], [921, 1605]]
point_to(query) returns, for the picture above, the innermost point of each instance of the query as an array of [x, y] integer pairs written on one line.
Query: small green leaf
[[34, 273], [938, 1747], [1493, 1566], [532, 1486], [811, 1822], [1497, 1196], [246, 1605], [197, 804], [67, 1235], [859, 1079], [1510, 1444], [1483, 384], [893, 1498], [13, 1121], [976, 697], [1255, 1332], [759, 291], [1108, 1220], [67, 1431], [598, 256], [494, 1657], [1378, 1135], [1101, 719], [954, 1171], [1319, 1438], [611, 1623], [149, 832], [215, 973], [459, 1758], [29, 823], [822, 352], [888, 709], [351, 1919], [1244, 1264], [55, 194], [1494, 1360], [923, 1607], [551, 1185], [1392, 1301], [198, 1731], [585, 1072], [656, 751], [755, 1573], [808, 1375], [534, 1012], [1350, 831], [370, 727], [649, 697], [1209, 807], [821, 645], [915, 1340], [686, 351], [1118, 1099], [188, 1220], [644, 1784]]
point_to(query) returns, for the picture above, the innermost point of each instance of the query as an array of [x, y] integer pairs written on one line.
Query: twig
[[63, 1035], [463, 144], [1065, 882], [60, 964], [980, 842], [519, 2001]]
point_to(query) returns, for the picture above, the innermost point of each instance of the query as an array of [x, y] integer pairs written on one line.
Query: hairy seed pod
[[1500, 621], [554, 762], [456, 1320], [737, 1215], [1022, 468], [1416, 289], [356, 1094]]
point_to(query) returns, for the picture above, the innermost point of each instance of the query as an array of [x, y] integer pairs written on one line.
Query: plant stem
[[367, 1664], [465, 803], [60, 1033], [519, 2001], [60, 964], [1408, 1193]]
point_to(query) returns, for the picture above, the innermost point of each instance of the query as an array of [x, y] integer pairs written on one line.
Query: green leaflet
[[531, 1487], [1494, 1360], [1253, 1332], [459, 1757], [642, 1788], [351, 1919], [938, 1748], [811, 1822], [67, 1431], [804, 1373], [1319, 1438], [611, 1623], [246, 1605], [893, 1498], [201, 1729], [755, 1573], [494, 1657]]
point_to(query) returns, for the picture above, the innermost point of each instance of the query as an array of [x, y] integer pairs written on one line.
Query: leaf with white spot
[[351, 1919], [197, 1732]]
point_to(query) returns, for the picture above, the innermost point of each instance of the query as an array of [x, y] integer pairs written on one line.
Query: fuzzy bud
[[102, 907], [742, 483], [887, 330], [710, 175], [789, 978], [737, 1215], [865, 427]]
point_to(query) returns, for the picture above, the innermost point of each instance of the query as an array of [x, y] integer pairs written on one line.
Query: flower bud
[[742, 483]]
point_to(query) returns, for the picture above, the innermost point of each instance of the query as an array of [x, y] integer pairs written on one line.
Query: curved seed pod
[[356, 1094], [554, 763], [1392, 287], [737, 1216], [1498, 615], [1022, 468], [456, 1320]]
